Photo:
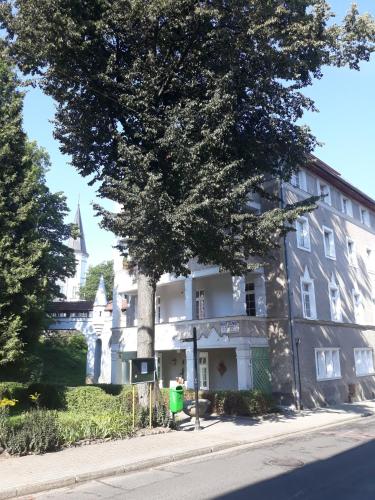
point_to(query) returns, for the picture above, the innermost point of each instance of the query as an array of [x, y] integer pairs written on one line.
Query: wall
[[173, 366]]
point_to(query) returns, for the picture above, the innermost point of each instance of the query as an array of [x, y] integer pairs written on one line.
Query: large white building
[[302, 325]]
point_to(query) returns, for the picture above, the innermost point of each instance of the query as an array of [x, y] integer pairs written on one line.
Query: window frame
[[200, 304], [305, 220], [352, 258], [305, 279], [328, 197], [332, 285], [355, 292], [203, 354], [300, 177], [330, 231], [248, 293], [364, 220], [349, 213], [320, 378], [367, 349]]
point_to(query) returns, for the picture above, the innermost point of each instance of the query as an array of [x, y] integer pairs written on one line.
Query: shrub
[[36, 431], [75, 427]]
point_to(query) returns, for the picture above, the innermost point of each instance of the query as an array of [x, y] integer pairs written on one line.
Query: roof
[[70, 306], [78, 244], [124, 305], [332, 176]]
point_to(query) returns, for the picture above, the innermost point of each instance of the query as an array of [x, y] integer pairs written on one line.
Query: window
[[203, 371], [303, 233], [157, 310], [298, 180], [308, 296], [364, 361], [352, 254], [334, 300], [329, 243], [327, 362], [324, 192], [347, 207], [159, 368], [365, 216], [358, 306], [200, 304], [250, 299]]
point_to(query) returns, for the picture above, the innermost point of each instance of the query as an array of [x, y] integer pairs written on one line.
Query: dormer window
[[347, 207], [365, 217], [324, 192]]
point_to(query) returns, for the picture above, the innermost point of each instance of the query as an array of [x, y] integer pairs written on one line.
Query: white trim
[[319, 377], [368, 349], [307, 236], [358, 319], [306, 280], [327, 199], [326, 250], [332, 285], [352, 257], [204, 355], [349, 205]]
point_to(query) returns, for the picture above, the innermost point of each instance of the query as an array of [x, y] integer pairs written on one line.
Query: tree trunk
[[146, 327]]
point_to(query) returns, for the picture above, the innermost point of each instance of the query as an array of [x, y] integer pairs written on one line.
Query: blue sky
[[344, 124]]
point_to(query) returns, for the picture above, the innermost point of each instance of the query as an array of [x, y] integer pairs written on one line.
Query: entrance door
[[203, 371]]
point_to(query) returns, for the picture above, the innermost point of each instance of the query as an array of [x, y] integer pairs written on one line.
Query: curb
[[155, 462]]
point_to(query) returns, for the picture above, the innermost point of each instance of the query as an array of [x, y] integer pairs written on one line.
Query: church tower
[[71, 286]]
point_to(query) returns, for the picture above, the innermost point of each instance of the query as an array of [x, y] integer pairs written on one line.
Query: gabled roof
[[334, 177], [78, 244], [70, 306]]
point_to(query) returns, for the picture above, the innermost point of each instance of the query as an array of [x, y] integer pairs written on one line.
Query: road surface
[[334, 463]]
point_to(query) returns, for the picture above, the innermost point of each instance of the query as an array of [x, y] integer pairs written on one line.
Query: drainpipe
[[293, 341]]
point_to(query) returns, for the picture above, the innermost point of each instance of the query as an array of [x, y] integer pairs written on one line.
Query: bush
[[75, 427], [36, 432]]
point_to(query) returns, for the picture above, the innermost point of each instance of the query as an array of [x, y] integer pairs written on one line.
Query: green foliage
[[75, 427], [88, 291], [34, 432], [245, 403], [32, 254], [59, 359], [181, 110]]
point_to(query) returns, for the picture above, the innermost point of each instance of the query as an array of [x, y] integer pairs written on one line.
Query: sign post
[[142, 370], [196, 380]]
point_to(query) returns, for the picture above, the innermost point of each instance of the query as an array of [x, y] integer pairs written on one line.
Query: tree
[[180, 110], [32, 255], [88, 291]]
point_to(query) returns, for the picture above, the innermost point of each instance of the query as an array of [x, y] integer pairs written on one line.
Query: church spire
[[78, 244]]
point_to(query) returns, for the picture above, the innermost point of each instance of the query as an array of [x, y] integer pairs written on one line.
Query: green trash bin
[[176, 399]]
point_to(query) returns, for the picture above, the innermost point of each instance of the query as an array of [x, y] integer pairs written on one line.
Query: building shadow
[[346, 476]]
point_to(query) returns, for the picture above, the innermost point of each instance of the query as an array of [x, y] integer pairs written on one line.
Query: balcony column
[[115, 364], [189, 367], [239, 295], [189, 302], [244, 371], [90, 359]]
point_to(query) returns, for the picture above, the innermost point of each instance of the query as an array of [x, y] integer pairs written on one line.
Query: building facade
[[302, 325]]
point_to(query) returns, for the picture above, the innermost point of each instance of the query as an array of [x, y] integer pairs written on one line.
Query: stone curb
[[157, 461]]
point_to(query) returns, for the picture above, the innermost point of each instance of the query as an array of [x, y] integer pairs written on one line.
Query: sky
[[344, 125]]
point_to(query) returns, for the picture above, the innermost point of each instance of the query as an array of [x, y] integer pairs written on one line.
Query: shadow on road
[[347, 476]]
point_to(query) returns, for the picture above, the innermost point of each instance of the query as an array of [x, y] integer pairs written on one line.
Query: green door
[[261, 369]]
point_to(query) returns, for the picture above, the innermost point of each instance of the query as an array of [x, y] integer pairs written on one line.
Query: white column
[[189, 367], [239, 295], [115, 365], [90, 358], [244, 374], [189, 302]]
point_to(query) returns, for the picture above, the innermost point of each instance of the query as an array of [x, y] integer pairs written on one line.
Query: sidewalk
[[25, 475]]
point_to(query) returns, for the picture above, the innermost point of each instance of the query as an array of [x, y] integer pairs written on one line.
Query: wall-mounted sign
[[142, 370], [227, 327]]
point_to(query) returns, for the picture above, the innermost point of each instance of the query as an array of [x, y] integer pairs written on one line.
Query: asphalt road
[[334, 463]]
